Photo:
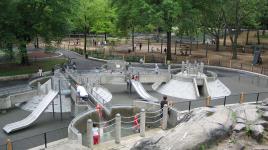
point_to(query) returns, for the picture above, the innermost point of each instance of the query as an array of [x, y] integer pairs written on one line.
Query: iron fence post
[[190, 102], [45, 137], [257, 98], [224, 100]]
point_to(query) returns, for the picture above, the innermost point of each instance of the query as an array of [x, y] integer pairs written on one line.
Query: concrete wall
[[151, 78]]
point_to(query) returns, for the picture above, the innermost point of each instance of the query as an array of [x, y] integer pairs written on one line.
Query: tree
[[27, 19], [105, 18], [242, 11], [132, 15], [85, 17], [167, 13], [212, 18]]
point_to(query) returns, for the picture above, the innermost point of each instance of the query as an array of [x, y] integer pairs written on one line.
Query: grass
[[264, 36], [11, 69]]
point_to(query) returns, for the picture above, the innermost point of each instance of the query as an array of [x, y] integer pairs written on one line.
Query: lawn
[[11, 69]]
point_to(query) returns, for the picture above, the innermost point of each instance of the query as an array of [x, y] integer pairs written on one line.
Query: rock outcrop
[[205, 125]]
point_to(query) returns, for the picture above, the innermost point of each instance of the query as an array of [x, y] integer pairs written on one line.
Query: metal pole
[[45, 137], [53, 110], [60, 101], [190, 102], [258, 98], [224, 100]]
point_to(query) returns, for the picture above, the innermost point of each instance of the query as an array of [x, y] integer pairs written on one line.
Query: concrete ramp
[[142, 92], [217, 89], [180, 89], [33, 116]]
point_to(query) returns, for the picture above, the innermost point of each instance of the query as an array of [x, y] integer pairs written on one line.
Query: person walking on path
[[156, 69], [140, 46], [40, 72]]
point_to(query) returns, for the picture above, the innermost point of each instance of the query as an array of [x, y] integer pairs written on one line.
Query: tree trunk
[[148, 45], [10, 50], [23, 54], [85, 44], [161, 45], [133, 41], [247, 36], [258, 36], [224, 38], [204, 38], [175, 47], [37, 41], [217, 38], [191, 45], [234, 45], [105, 36], [169, 45]]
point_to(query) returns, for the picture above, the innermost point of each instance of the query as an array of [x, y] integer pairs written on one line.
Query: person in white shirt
[[81, 92], [156, 69], [96, 135], [40, 72]]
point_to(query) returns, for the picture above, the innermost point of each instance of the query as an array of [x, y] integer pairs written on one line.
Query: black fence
[[36, 140], [232, 99]]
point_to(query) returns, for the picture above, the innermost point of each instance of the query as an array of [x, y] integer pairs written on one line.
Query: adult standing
[[40, 72], [140, 45]]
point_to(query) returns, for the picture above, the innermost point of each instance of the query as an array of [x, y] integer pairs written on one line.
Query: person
[[74, 66], [140, 46], [156, 69], [135, 45], [152, 49], [141, 61], [40, 72], [96, 135], [52, 71], [165, 50], [136, 124], [81, 92], [163, 103]]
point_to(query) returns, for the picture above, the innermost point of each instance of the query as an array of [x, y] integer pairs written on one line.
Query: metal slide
[[33, 116], [142, 92]]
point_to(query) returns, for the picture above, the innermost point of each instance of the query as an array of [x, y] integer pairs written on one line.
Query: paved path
[[125, 144], [81, 62]]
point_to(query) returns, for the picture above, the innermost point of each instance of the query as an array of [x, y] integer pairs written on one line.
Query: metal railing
[[231, 99], [36, 140]]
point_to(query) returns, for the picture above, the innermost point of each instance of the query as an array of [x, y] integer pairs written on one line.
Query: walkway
[[126, 142], [81, 62]]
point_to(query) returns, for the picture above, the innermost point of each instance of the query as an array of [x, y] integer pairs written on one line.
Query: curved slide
[[142, 92], [33, 116]]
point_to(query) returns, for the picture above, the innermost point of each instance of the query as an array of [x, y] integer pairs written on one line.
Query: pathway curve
[[81, 62]]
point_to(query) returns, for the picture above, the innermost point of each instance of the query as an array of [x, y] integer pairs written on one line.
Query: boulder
[[257, 131], [247, 112], [265, 116], [265, 102], [205, 125], [263, 108], [240, 120], [239, 127]]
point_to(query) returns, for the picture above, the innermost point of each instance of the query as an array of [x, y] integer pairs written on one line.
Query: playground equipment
[[33, 116]]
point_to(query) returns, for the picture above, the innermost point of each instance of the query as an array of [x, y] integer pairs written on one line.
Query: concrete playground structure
[[118, 111]]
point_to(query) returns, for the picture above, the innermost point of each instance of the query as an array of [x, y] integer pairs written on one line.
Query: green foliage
[[21, 21], [11, 69], [234, 116]]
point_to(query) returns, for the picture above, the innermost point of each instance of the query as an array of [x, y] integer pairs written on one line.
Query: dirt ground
[[40, 54], [198, 52]]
